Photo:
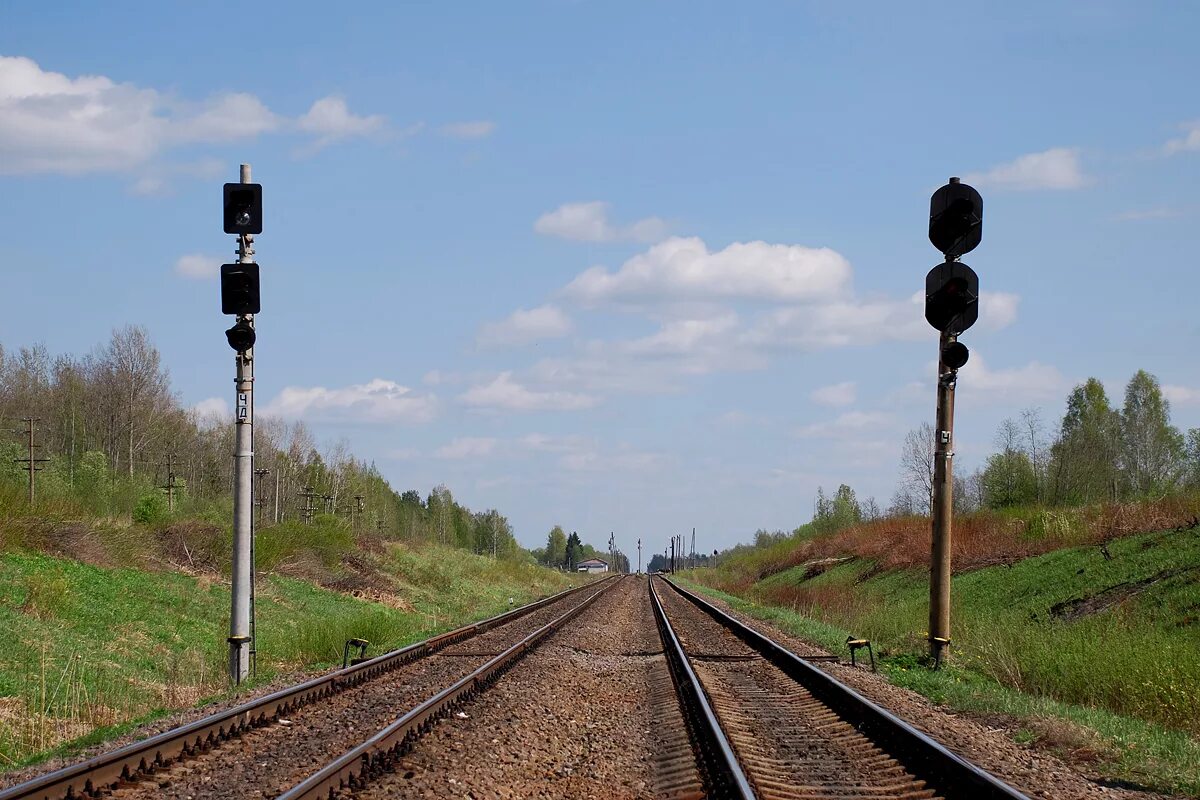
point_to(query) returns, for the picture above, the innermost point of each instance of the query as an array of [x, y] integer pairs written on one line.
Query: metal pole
[[639, 572], [942, 511], [693, 548], [243, 495]]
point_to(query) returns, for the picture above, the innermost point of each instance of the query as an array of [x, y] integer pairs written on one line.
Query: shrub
[[151, 509]]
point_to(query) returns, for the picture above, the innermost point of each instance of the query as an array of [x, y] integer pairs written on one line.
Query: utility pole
[[169, 486], [951, 306], [260, 499], [639, 572], [240, 296], [358, 510], [29, 461], [308, 509], [693, 548]]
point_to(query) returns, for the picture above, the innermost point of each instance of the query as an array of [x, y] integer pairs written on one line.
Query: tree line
[[120, 443], [1098, 453], [565, 551]]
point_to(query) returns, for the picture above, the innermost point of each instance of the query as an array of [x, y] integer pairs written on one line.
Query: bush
[[151, 509]]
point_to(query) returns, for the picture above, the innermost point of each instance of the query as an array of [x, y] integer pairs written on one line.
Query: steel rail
[[952, 776], [718, 763], [123, 764], [355, 767]]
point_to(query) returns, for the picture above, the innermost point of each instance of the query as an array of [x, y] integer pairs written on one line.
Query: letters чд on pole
[[951, 306]]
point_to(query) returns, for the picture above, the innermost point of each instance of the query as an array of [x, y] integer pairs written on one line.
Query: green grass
[[89, 649], [1125, 681]]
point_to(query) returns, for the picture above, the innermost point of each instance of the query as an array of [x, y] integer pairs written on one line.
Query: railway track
[[767, 724], [198, 759]]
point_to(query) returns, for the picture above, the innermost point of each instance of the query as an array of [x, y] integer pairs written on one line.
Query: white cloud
[[684, 269], [50, 122], [1034, 381], [1189, 141], [1057, 168], [478, 129], [465, 447], [329, 119], [505, 393], [845, 423], [837, 394], [1181, 395], [997, 309], [212, 408], [376, 401], [525, 326], [588, 222], [226, 118], [198, 267]]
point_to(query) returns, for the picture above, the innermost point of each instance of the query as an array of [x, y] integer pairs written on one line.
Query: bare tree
[[135, 368], [916, 464]]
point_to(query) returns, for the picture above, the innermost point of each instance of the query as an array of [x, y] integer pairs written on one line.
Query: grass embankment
[[89, 649], [1093, 649]]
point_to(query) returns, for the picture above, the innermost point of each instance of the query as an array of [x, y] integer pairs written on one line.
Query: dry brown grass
[[984, 538]]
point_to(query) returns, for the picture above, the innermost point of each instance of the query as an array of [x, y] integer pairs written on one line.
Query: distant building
[[592, 565]]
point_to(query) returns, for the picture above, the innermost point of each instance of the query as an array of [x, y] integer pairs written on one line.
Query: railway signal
[[951, 307], [240, 297], [243, 207]]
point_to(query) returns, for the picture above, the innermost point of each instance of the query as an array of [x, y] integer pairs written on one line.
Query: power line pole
[[29, 461], [357, 511], [260, 498], [243, 459], [693, 548], [309, 507], [169, 485], [639, 572]]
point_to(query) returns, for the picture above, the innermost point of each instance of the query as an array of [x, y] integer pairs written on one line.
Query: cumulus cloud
[[465, 447], [836, 394], [589, 222], [505, 393], [1033, 381], [1057, 168], [50, 122], [525, 326], [478, 129], [212, 409], [1181, 395], [1188, 142], [684, 268], [198, 267], [329, 119], [376, 401]]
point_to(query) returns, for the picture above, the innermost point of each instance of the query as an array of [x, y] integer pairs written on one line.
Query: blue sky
[[619, 266]]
